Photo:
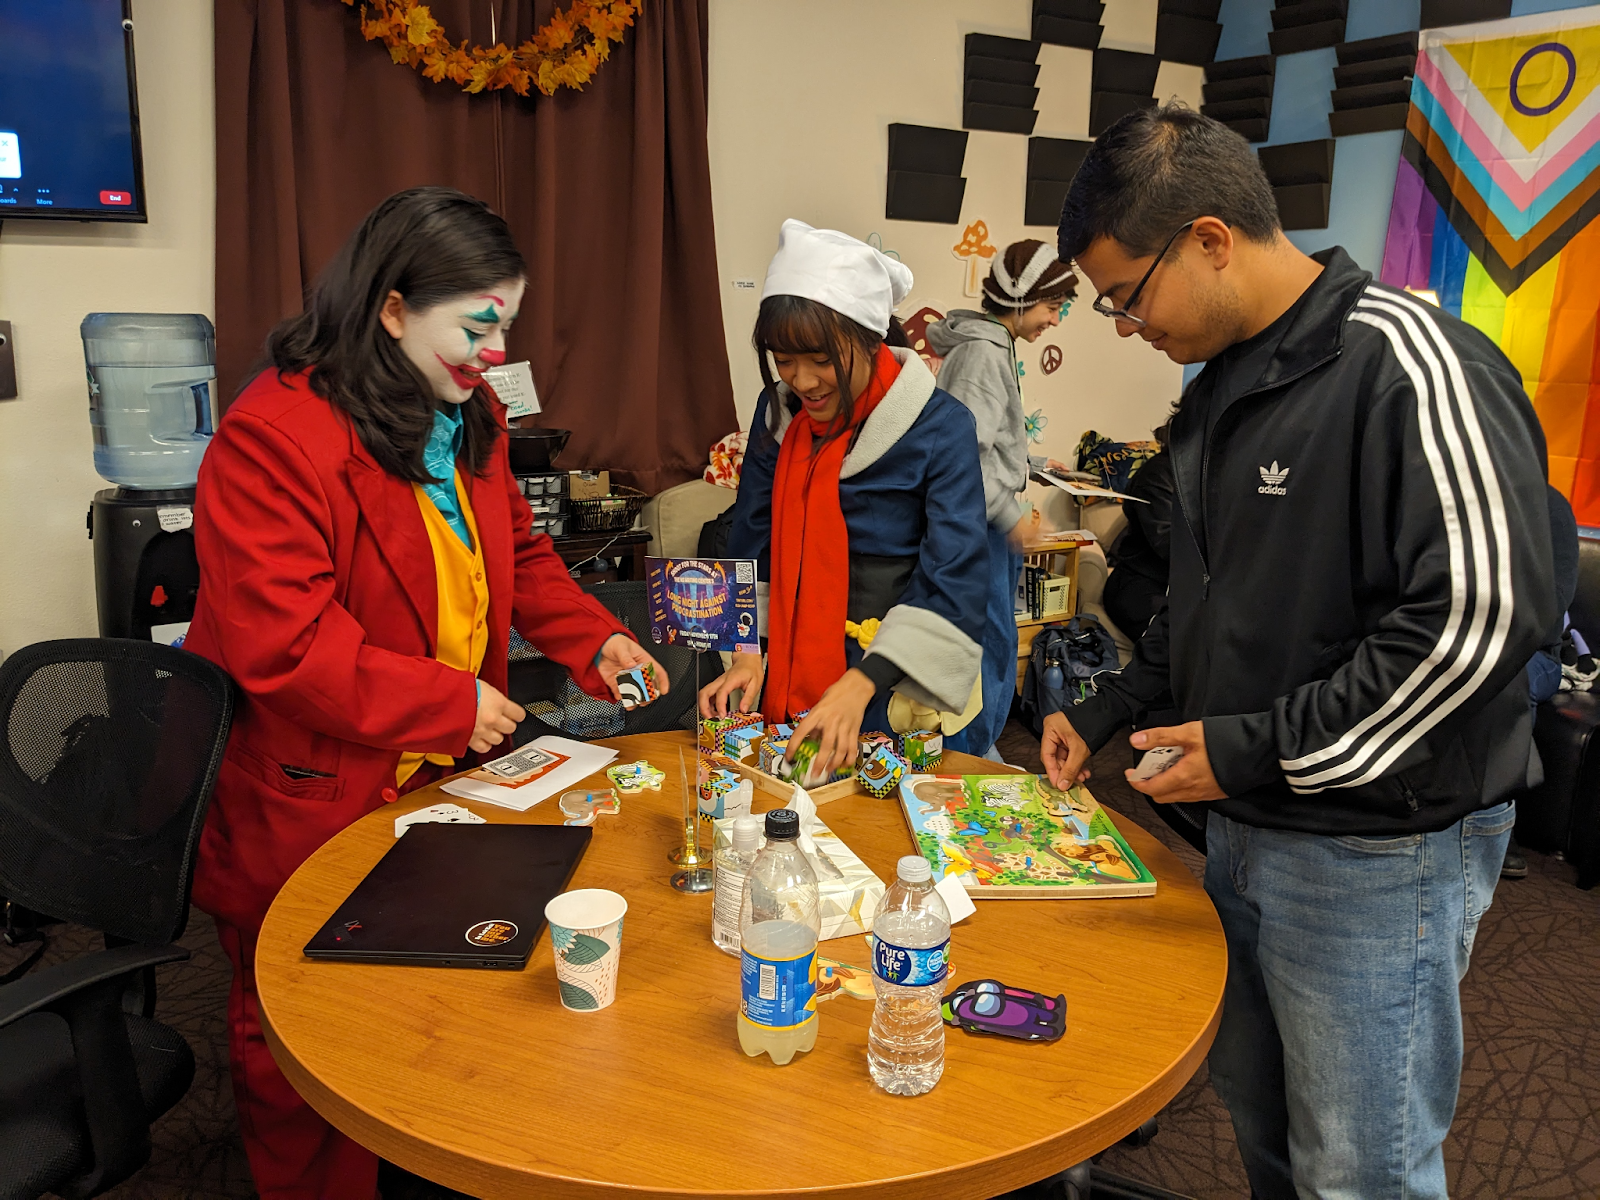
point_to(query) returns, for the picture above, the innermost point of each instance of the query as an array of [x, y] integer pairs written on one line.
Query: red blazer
[[318, 595]]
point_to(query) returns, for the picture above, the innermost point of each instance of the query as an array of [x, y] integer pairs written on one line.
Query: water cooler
[[152, 408]]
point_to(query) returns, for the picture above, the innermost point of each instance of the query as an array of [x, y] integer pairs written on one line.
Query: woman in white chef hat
[[861, 498]]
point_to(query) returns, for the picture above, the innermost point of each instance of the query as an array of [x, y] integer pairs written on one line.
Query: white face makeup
[[454, 342]]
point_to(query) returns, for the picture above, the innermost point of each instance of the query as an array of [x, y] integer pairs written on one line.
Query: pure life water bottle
[[910, 958]]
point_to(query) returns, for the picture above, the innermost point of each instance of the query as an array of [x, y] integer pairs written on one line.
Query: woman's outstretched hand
[[835, 720], [618, 654], [744, 674]]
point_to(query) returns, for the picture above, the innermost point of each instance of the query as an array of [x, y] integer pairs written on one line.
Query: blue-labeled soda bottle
[[779, 920], [910, 959]]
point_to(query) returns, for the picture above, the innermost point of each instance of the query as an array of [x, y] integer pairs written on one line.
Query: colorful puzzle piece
[[803, 768], [741, 743], [871, 741], [714, 729], [881, 771], [636, 686], [835, 978], [772, 752], [922, 749], [582, 807], [715, 791], [636, 777]]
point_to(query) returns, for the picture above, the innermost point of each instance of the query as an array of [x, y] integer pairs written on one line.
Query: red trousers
[[294, 1153]]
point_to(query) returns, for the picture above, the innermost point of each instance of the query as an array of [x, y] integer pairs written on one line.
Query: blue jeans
[[1339, 1053]]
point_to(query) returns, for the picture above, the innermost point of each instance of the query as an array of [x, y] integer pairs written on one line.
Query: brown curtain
[[608, 192]]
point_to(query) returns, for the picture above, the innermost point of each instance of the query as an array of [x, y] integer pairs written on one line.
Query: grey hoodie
[[980, 370]]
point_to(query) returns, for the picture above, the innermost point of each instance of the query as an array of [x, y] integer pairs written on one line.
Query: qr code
[[744, 572], [769, 982]]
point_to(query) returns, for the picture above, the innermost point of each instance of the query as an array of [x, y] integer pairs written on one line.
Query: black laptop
[[455, 896]]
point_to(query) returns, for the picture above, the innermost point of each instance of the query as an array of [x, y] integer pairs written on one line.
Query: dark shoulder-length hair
[[795, 325], [430, 244]]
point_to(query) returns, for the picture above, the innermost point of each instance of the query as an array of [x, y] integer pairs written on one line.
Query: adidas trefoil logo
[[1272, 480]]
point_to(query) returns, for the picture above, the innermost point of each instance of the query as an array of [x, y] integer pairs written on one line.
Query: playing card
[[443, 814], [1157, 760]]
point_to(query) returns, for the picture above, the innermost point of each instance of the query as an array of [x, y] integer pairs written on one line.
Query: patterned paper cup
[[586, 935]]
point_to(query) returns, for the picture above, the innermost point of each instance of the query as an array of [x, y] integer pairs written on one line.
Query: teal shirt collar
[[439, 460], [444, 442]]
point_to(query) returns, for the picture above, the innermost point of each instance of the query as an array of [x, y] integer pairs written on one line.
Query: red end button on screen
[[116, 197]]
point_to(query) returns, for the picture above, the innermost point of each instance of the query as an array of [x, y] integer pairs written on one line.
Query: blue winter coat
[[911, 490]]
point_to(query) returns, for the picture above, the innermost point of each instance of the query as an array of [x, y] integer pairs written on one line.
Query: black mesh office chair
[[545, 687], [110, 750]]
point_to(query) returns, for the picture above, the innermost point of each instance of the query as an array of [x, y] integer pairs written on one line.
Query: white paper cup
[[586, 936]]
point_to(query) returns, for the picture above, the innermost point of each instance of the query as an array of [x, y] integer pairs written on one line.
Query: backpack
[[1062, 666], [714, 534]]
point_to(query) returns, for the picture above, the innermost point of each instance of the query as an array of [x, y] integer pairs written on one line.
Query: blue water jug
[[152, 388]]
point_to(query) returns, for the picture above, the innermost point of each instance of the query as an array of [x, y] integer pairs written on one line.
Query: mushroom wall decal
[[974, 249]]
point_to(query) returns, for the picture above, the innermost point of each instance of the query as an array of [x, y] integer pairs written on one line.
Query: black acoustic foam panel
[[918, 196], [1241, 68], [1307, 12], [1052, 162], [1368, 120], [1238, 92], [1369, 95], [1124, 71], [1107, 108], [1394, 45], [998, 83], [1462, 12], [1298, 162], [927, 148], [1306, 37], [925, 182], [1186, 39], [1378, 70], [1303, 205]]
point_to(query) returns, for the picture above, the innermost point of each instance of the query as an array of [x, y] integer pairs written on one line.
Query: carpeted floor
[[1525, 1127], [1526, 1123]]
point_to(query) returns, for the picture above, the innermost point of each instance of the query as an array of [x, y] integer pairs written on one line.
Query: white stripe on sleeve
[[1477, 537]]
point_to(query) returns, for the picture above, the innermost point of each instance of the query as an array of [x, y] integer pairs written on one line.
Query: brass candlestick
[[696, 874]]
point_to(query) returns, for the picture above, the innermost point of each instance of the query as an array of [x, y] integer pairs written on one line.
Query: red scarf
[[810, 563]]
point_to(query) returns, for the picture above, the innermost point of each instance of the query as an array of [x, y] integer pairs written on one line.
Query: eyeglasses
[[1102, 304]]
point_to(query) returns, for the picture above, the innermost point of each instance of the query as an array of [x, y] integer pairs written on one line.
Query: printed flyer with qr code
[[704, 603]]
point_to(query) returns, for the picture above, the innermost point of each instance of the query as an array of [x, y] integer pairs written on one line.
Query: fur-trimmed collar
[[896, 413]]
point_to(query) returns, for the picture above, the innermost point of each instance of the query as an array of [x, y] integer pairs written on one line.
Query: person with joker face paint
[[364, 552]]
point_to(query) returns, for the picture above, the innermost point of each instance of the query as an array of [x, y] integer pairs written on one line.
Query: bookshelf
[[1058, 557]]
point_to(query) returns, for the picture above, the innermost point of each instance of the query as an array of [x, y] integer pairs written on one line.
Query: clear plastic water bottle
[[910, 959], [731, 864], [152, 406], [779, 920]]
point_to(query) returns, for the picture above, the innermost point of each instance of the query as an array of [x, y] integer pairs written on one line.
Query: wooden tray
[[780, 790]]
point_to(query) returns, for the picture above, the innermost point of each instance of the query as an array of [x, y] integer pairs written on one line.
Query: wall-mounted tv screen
[[69, 111]]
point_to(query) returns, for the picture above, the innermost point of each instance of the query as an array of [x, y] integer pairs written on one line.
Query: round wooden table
[[482, 1081]]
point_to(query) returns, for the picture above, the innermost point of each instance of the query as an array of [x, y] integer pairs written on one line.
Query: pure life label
[[909, 968]]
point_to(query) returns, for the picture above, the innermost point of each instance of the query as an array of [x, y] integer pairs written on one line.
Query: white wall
[[51, 275], [801, 97]]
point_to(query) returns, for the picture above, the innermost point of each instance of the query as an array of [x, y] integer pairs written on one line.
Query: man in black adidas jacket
[[1360, 570]]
